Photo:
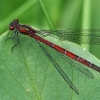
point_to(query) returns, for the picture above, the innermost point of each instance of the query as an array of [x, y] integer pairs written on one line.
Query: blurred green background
[[53, 14]]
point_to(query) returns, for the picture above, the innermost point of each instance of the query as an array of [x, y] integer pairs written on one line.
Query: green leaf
[[28, 74]]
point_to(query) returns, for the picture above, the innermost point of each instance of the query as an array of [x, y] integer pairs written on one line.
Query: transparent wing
[[78, 66], [83, 36], [62, 73]]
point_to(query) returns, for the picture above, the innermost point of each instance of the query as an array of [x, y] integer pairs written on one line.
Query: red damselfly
[[27, 30]]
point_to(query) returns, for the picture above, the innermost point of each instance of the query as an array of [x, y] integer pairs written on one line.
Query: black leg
[[16, 35]]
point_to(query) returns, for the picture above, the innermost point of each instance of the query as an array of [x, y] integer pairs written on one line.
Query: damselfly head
[[13, 24]]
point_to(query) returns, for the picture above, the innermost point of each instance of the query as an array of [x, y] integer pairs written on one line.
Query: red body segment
[[24, 29]]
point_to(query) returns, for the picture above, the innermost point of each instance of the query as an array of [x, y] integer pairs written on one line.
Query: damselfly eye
[[16, 21], [12, 28], [14, 24], [77, 61]]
